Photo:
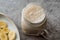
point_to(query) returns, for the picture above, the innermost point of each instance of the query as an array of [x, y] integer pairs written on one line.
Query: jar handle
[[46, 34]]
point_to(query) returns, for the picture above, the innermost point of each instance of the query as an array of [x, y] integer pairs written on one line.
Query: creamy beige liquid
[[34, 13]]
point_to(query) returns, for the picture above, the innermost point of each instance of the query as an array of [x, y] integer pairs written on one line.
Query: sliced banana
[[3, 24], [5, 30], [3, 36], [11, 35], [0, 30], [5, 33]]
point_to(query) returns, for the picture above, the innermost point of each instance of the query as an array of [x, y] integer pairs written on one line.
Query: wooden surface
[[13, 9]]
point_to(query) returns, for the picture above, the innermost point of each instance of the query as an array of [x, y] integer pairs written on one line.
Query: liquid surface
[[33, 13]]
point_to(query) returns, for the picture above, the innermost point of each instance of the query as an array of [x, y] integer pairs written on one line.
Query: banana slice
[[5, 30], [5, 33], [11, 35], [0, 30], [3, 24], [3, 36]]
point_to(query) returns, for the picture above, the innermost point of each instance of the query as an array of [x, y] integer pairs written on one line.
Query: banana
[[0, 30], [3, 24], [3, 36], [5, 30], [5, 33], [11, 35]]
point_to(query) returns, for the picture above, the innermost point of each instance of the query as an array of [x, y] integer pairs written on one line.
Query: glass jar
[[30, 27]]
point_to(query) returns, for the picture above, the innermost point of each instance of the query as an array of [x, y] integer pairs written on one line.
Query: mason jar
[[33, 20]]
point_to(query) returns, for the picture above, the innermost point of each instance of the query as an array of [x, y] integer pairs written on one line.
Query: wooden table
[[13, 9]]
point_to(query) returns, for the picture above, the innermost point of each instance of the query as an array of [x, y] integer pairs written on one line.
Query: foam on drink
[[34, 13]]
